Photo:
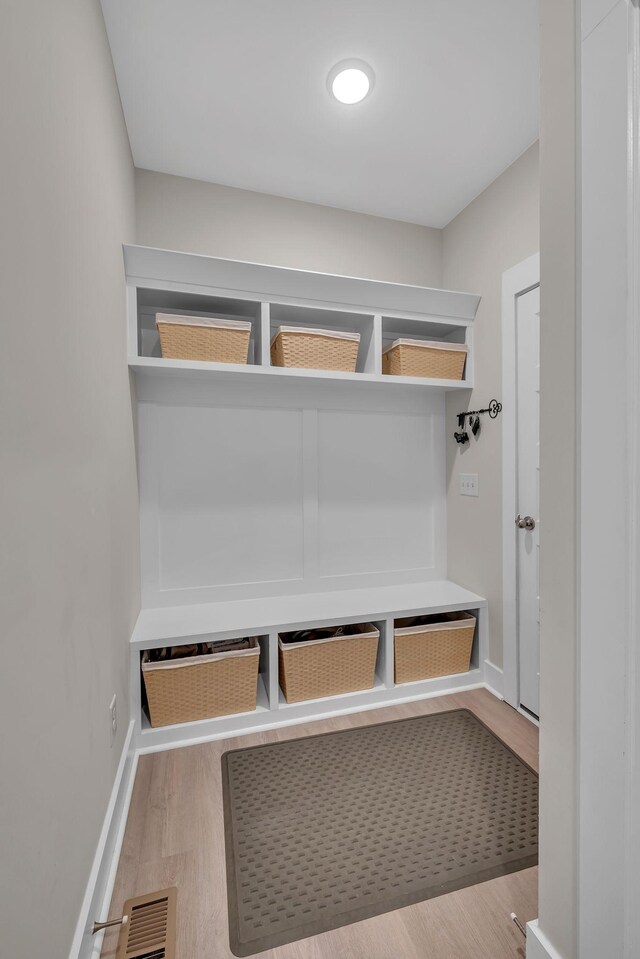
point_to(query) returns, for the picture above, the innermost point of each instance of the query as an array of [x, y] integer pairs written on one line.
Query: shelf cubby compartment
[[343, 662], [430, 329], [339, 321], [152, 301], [431, 646], [202, 681]]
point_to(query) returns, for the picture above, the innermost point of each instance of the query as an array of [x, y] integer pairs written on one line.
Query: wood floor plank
[[175, 836]]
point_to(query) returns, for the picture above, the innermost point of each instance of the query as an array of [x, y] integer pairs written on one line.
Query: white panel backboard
[[284, 492], [378, 488], [235, 515]]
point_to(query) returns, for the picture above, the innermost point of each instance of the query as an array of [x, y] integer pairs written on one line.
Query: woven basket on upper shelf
[[215, 340], [328, 667], [200, 687], [315, 349], [428, 358], [428, 646]]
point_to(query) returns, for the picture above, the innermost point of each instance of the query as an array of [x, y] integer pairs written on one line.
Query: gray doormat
[[328, 830]]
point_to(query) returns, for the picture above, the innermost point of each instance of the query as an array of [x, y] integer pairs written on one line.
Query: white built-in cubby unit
[[274, 499], [166, 282]]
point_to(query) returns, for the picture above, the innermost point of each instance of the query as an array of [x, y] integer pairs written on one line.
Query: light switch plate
[[468, 484]]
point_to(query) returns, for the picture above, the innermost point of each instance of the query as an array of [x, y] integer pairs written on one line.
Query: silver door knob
[[525, 522]]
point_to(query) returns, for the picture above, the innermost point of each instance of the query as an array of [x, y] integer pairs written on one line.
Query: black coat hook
[[461, 435]]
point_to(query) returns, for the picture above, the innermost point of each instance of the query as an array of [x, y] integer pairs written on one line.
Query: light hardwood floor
[[175, 836]]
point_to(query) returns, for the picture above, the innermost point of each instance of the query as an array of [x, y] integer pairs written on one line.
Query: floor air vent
[[149, 930]]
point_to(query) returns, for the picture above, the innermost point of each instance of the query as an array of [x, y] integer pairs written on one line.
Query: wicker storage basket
[[428, 646], [216, 340], [199, 687], [432, 358], [328, 667], [315, 349]]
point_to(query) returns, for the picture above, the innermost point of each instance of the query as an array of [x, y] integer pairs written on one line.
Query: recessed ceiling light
[[350, 81]]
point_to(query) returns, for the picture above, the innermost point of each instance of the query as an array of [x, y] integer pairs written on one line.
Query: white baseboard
[[538, 946], [103, 870], [494, 678]]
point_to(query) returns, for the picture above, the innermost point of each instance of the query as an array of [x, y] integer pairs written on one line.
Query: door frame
[[518, 280]]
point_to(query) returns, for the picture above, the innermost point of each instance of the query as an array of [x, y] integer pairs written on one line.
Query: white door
[[528, 490]]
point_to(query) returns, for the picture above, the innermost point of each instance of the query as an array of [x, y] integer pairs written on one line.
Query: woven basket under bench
[[429, 646], [330, 666], [200, 687]]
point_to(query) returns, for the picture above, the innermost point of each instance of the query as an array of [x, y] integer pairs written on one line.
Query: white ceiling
[[234, 91]]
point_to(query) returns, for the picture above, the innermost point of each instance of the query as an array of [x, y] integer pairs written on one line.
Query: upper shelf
[[268, 297], [155, 366], [255, 281]]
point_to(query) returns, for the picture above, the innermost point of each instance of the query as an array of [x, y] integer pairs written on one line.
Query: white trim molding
[[632, 825], [609, 490], [538, 946], [517, 281], [97, 898], [494, 678]]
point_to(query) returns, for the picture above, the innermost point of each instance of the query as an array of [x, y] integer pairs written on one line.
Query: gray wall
[[499, 229], [175, 213], [69, 543], [558, 430]]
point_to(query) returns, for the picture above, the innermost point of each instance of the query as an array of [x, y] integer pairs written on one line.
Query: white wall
[[558, 427], [499, 229], [175, 213], [68, 549]]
